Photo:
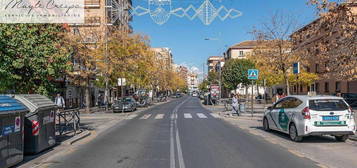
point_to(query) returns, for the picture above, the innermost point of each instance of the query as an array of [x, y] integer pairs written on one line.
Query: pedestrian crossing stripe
[[201, 115], [146, 116], [173, 116], [187, 115], [159, 116]]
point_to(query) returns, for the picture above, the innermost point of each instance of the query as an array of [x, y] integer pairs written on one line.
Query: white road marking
[[172, 145], [187, 115], [173, 116], [201, 115], [131, 116], [173, 125], [146, 116], [214, 115], [179, 150], [159, 116]]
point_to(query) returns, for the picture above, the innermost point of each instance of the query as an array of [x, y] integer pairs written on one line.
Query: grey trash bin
[[40, 133], [12, 115]]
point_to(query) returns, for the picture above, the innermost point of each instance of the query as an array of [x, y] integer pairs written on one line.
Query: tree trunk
[[287, 87], [87, 96]]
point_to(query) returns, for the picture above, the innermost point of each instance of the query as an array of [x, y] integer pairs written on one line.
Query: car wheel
[[293, 133], [342, 138], [266, 124]]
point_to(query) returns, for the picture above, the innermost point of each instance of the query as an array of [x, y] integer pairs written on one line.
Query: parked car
[[125, 104], [301, 116], [350, 98]]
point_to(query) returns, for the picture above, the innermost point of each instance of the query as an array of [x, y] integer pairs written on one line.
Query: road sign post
[[253, 74]]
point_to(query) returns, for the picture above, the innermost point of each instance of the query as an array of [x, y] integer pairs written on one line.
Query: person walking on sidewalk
[[235, 104], [59, 101]]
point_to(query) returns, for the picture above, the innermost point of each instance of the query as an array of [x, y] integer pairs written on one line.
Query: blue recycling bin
[[12, 115]]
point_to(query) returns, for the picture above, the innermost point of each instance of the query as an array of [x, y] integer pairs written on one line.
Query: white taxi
[[301, 116]]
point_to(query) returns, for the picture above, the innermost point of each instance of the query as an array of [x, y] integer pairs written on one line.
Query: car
[[124, 105], [301, 116], [350, 98], [194, 94]]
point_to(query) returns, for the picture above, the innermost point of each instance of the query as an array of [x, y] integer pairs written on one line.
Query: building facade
[[164, 55], [307, 39], [99, 20], [212, 63], [240, 50]]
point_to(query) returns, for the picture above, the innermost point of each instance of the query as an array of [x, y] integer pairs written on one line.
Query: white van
[[301, 116]]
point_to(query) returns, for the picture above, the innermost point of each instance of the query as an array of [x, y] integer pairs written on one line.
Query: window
[[328, 105], [327, 87], [289, 102], [308, 69], [241, 53], [317, 88], [338, 86], [301, 88], [317, 68]]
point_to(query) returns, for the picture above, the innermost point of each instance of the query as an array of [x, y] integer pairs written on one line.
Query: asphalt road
[[179, 134]]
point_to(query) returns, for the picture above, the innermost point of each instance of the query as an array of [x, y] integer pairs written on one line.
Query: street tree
[[235, 72], [274, 47], [32, 58], [83, 69]]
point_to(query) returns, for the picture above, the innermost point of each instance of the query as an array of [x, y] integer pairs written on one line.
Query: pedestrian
[[59, 101], [235, 104]]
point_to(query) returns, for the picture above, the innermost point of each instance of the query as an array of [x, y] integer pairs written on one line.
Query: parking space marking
[[187, 115], [146, 116], [201, 115], [159, 116]]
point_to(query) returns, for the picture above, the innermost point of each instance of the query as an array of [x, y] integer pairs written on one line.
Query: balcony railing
[[92, 21], [92, 3]]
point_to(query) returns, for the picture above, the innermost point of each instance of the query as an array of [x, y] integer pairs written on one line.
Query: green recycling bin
[[12, 114], [40, 132]]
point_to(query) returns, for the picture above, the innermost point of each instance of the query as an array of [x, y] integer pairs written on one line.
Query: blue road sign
[[253, 74], [296, 68]]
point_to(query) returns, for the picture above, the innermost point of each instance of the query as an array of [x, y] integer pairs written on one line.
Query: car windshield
[[328, 105], [125, 100]]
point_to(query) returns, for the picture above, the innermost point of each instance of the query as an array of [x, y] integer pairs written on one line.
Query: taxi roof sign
[[253, 74]]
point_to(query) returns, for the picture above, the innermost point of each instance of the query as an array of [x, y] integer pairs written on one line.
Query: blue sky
[[186, 37]]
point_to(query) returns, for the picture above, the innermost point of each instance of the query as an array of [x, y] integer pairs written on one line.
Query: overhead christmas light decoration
[[160, 11]]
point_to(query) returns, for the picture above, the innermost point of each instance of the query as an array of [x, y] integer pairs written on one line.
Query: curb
[[353, 138], [77, 138]]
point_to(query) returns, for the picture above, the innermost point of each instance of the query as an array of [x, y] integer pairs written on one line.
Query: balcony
[[92, 3], [92, 21]]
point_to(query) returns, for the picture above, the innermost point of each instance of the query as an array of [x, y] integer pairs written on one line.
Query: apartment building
[[213, 62], [164, 55], [307, 39], [101, 17], [240, 50]]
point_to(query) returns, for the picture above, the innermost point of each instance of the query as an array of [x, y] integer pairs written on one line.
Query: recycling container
[[40, 133], [12, 114]]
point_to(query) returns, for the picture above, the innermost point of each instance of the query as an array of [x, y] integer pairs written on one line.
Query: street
[[179, 134]]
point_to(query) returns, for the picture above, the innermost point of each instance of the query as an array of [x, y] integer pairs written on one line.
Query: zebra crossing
[[169, 115]]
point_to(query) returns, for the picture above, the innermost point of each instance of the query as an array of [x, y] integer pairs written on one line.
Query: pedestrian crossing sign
[[253, 74]]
